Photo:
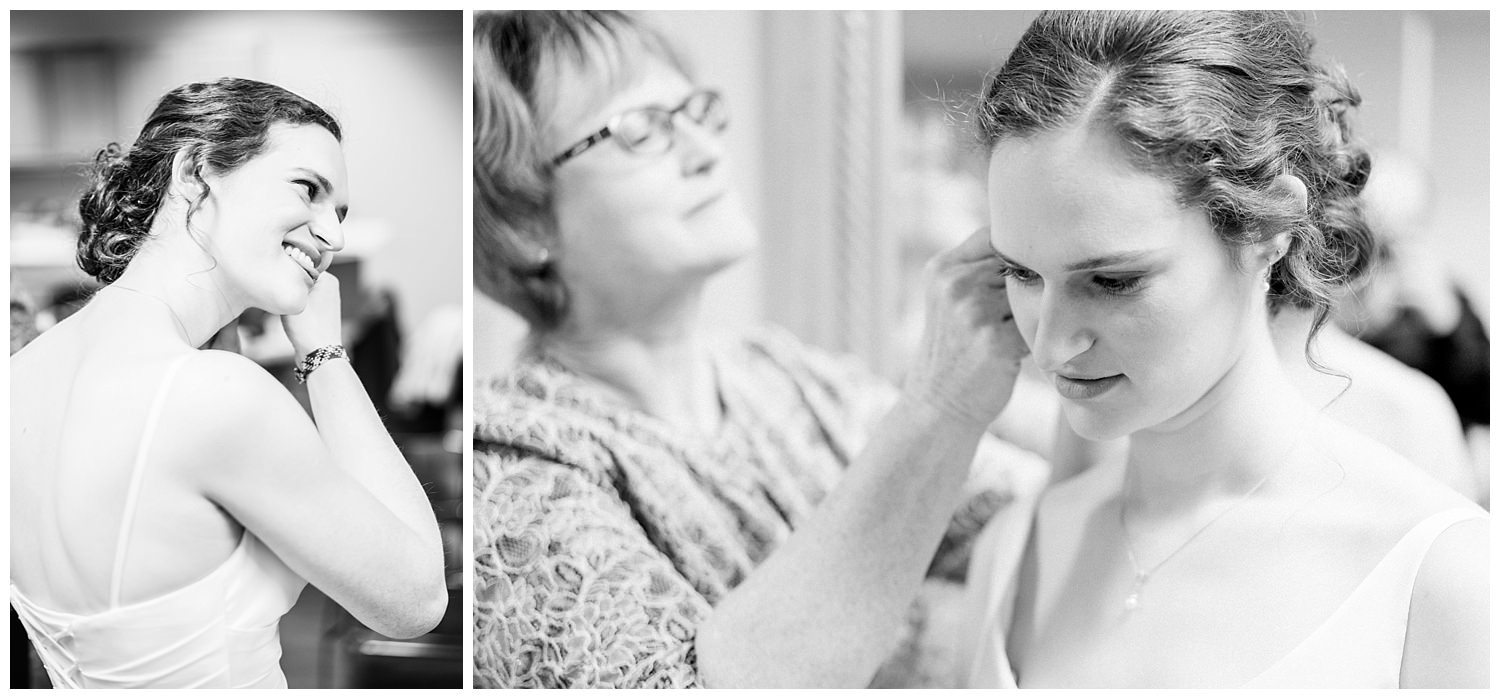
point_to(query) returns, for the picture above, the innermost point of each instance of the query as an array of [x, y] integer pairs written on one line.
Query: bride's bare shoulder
[[219, 384], [1385, 484]]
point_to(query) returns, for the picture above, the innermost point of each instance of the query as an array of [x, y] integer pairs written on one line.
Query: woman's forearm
[[827, 607], [361, 446]]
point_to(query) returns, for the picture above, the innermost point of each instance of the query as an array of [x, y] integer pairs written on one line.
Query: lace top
[[603, 537]]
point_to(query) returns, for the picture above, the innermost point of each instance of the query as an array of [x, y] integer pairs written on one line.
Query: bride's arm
[[336, 500]]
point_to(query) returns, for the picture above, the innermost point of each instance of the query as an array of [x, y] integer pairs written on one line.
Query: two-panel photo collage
[[749, 349]]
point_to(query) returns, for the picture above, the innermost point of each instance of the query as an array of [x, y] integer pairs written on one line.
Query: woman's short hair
[[517, 58], [1218, 104], [220, 125]]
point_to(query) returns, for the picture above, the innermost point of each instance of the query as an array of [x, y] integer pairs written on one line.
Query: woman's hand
[[320, 323], [971, 351], [827, 607]]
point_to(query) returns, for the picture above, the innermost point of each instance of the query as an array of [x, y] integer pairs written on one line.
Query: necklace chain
[[1133, 601], [164, 304]]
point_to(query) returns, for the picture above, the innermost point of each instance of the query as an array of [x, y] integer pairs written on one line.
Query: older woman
[[657, 509]]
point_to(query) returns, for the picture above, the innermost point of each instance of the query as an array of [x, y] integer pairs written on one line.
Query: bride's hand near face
[[321, 322], [971, 351]]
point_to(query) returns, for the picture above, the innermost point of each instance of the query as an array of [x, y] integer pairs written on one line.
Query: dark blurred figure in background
[[1412, 308]]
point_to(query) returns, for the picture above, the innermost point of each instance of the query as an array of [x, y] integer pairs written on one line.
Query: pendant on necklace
[[1133, 601]]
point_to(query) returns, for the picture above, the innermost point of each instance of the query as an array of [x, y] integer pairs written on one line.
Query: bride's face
[[1130, 303], [273, 224]]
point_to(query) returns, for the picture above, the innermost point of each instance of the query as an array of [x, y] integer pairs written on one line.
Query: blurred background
[[80, 80], [852, 151]]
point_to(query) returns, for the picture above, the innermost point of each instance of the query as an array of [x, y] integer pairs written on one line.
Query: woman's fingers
[[973, 248], [321, 322], [971, 349]]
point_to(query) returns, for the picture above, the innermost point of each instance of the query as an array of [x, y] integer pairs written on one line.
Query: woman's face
[[273, 224], [1130, 303], [631, 223]]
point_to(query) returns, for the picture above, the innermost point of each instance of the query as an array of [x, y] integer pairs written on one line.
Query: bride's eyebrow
[[1001, 256], [1118, 258]]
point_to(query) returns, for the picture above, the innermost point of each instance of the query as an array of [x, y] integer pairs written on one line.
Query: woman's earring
[[1265, 281]]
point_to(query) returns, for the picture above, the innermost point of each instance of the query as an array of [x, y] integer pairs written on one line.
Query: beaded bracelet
[[315, 358]]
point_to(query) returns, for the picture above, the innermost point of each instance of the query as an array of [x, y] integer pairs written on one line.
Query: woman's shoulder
[[226, 398], [1369, 499], [1391, 488], [218, 374], [1386, 396], [531, 381], [770, 354]]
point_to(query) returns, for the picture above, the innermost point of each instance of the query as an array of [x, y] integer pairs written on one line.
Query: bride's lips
[[309, 259], [1085, 389], [710, 201]]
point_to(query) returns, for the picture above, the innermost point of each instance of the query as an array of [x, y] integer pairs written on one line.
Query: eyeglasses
[[650, 130]]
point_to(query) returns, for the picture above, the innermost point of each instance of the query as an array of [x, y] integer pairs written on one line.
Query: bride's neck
[[183, 289], [1238, 434]]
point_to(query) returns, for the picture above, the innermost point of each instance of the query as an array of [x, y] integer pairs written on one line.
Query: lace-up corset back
[[219, 631]]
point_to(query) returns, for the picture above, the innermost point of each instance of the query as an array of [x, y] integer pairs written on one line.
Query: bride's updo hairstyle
[[1218, 104], [220, 125]]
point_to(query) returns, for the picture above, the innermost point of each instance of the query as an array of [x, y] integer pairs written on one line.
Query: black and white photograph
[[980, 349], [237, 328]]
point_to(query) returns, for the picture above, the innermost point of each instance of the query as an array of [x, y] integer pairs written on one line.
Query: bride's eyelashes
[[1110, 284]]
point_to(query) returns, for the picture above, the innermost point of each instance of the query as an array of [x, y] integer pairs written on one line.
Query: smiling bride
[[169, 499]]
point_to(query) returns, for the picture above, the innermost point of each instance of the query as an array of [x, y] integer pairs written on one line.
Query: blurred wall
[[1425, 80], [393, 79]]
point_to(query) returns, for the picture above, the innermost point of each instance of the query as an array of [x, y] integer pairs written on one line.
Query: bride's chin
[[1095, 427], [285, 306]]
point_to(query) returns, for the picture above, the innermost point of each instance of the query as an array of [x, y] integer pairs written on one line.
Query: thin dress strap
[[127, 520]]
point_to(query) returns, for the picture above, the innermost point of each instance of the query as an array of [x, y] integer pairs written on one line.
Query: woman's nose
[[328, 230], [1060, 334], [701, 147]]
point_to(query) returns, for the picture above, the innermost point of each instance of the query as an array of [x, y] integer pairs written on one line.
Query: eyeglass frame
[[613, 124]]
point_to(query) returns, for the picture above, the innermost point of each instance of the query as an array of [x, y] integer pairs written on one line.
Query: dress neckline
[[1392, 558]]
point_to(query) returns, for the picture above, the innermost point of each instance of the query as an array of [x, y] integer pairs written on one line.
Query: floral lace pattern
[[603, 536]]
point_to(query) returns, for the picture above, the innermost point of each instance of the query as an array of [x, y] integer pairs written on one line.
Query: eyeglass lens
[[650, 129]]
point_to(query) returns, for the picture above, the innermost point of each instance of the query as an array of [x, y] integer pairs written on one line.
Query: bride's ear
[[1265, 253], [186, 170]]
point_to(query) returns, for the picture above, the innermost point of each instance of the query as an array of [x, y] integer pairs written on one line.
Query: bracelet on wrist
[[316, 358]]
